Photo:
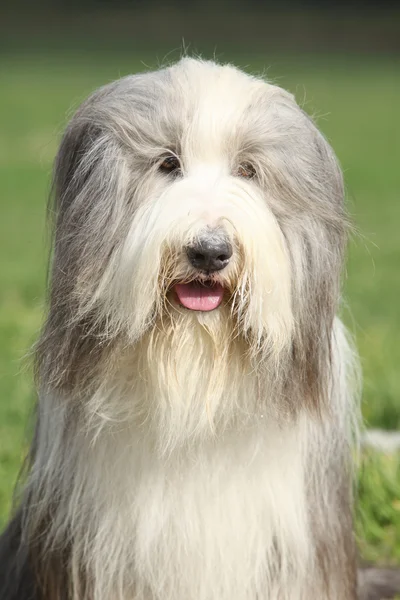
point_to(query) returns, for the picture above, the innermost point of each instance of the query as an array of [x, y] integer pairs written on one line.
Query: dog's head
[[202, 196]]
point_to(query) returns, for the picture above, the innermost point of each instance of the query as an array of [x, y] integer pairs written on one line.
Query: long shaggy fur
[[183, 455]]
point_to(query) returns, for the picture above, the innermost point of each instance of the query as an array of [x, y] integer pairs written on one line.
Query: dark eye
[[170, 164], [246, 170]]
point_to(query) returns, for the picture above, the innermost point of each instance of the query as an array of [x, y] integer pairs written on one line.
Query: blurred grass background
[[355, 96]]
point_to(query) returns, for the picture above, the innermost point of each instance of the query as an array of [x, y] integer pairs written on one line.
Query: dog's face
[[199, 195]]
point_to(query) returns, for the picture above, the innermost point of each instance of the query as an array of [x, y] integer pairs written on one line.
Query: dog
[[198, 404]]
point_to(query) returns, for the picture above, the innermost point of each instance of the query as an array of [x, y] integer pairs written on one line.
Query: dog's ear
[[326, 164], [74, 163], [70, 171]]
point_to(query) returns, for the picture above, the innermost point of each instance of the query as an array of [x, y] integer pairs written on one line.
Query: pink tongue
[[199, 297]]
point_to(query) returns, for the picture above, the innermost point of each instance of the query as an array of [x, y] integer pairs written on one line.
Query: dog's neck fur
[[166, 496]]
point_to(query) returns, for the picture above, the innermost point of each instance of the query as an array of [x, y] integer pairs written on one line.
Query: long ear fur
[[73, 168]]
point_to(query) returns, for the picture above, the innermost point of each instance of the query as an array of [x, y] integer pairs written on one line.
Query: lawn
[[356, 103]]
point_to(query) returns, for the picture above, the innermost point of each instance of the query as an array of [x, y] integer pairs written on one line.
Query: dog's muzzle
[[208, 254]]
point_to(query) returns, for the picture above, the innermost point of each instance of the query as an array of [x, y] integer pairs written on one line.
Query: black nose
[[210, 253]]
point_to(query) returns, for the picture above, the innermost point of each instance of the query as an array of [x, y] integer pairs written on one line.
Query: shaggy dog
[[197, 402]]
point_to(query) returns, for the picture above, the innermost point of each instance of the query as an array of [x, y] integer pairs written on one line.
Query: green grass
[[357, 101], [378, 510]]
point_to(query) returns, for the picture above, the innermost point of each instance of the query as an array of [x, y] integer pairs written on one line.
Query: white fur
[[203, 521]]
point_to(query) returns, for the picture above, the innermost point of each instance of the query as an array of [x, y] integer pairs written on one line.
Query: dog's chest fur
[[225, 521]]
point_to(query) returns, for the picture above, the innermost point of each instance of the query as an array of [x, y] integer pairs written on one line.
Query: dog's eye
[[170, 164], [246, 170]]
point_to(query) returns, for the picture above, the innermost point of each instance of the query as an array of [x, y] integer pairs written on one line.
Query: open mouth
[[199, 295]]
